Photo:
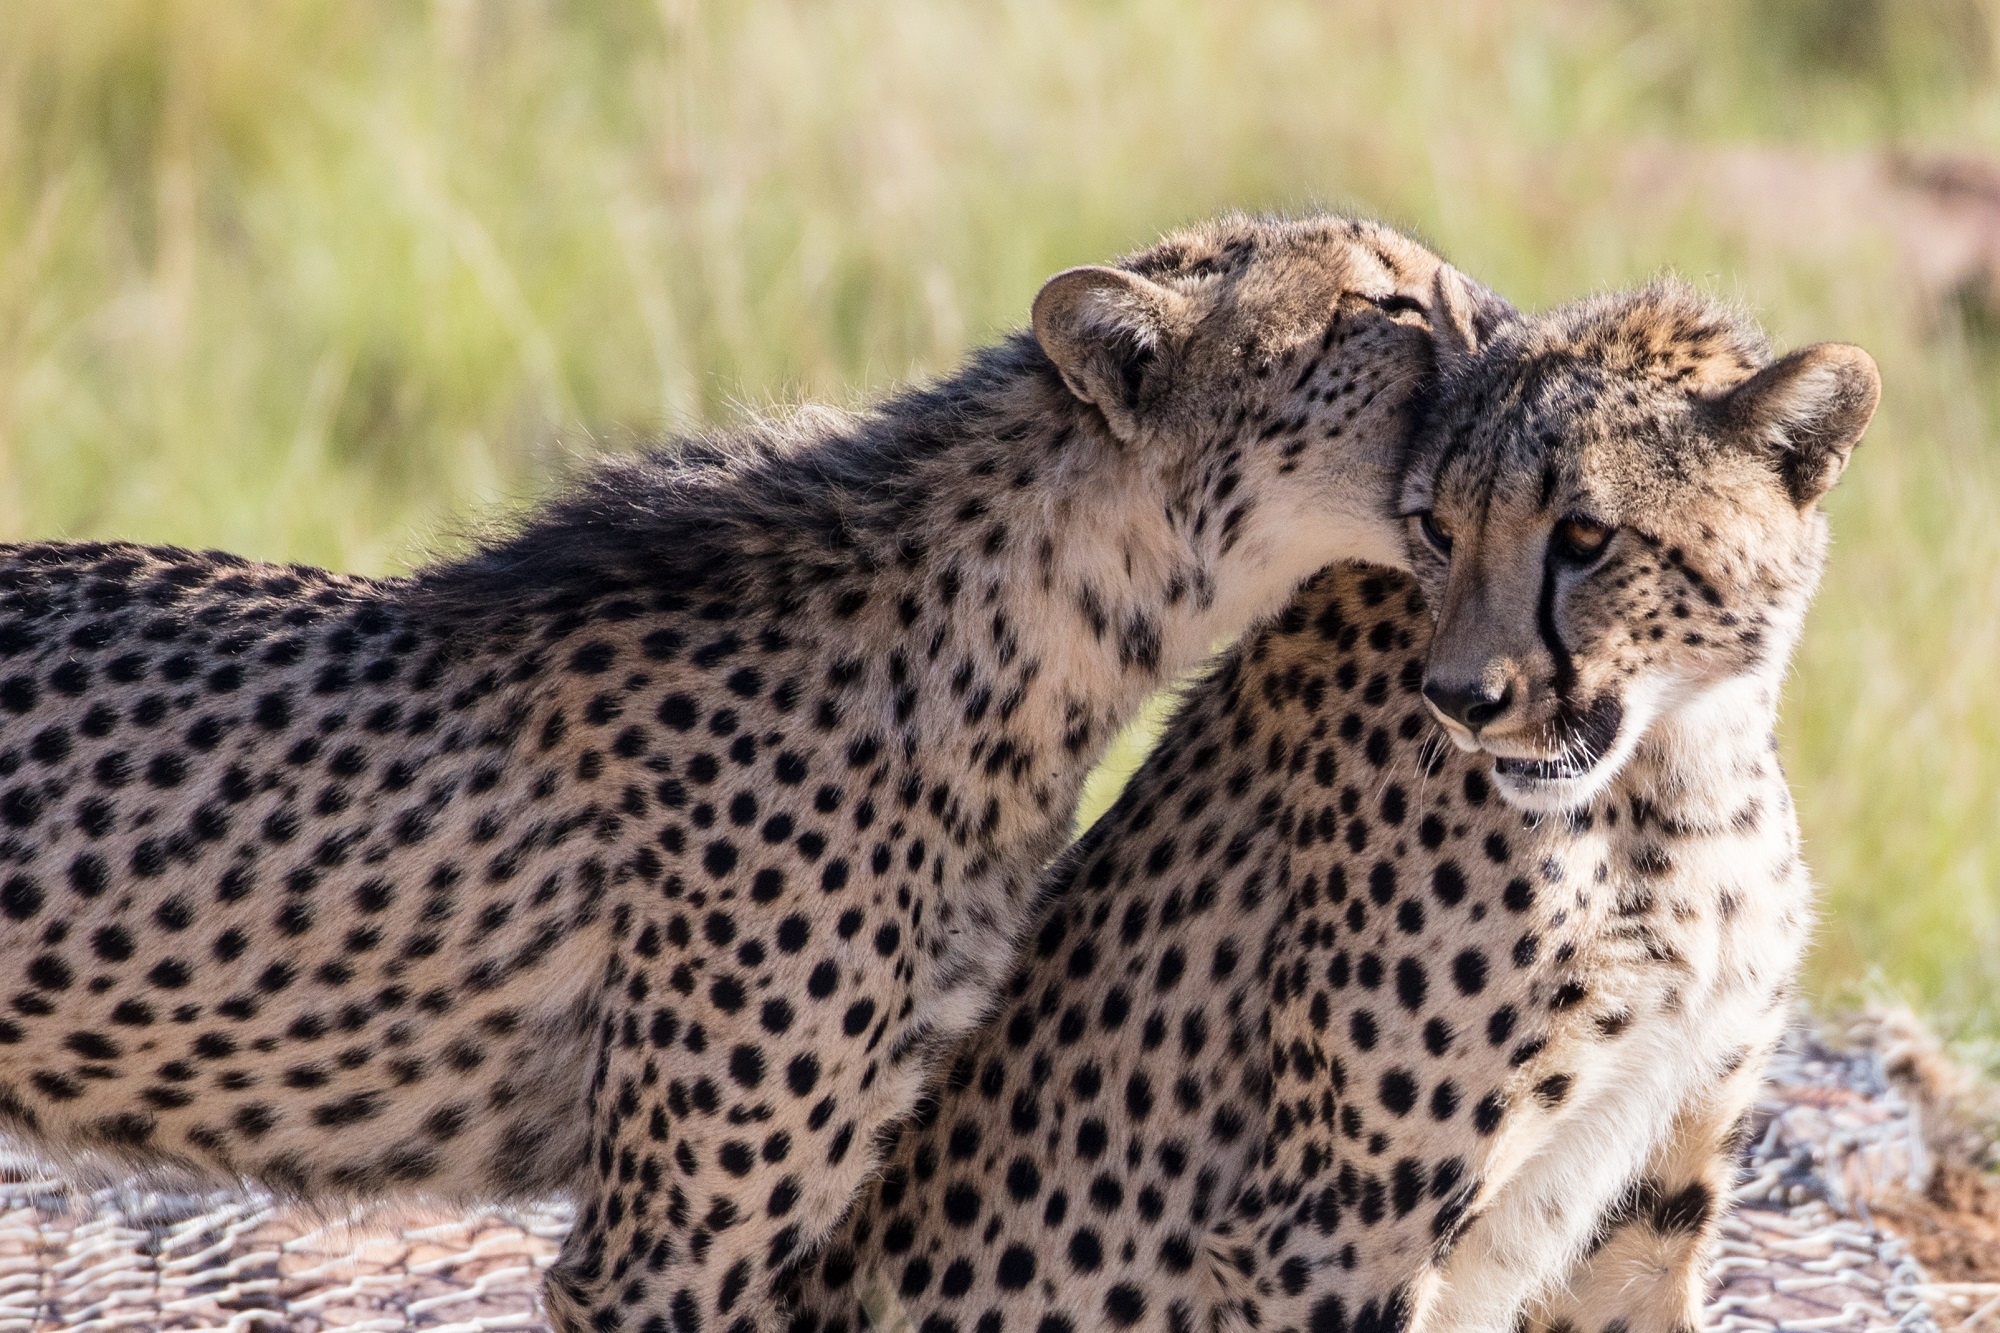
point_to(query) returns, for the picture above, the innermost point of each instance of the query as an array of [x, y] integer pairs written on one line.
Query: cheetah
[[651, 853], [1423, 976]]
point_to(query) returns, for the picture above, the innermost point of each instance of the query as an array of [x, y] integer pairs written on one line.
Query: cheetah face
[[1613, 512], [1267, 372]]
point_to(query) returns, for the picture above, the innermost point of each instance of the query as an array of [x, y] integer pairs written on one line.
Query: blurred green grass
[[324, 281]]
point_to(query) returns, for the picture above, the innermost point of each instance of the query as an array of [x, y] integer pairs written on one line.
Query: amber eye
[[1578, 540], [1427, 527]]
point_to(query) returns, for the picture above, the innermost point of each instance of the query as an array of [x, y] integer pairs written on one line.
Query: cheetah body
[[649, 853], [1317, 1031]]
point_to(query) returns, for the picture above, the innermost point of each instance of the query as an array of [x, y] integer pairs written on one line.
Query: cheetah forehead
[[1663, 336], [1238, 247], [1606, 393]]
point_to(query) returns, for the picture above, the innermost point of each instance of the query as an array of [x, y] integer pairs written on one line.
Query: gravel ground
[[1860, 1135]]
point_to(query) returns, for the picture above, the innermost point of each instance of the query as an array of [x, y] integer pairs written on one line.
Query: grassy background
[[319, 281]]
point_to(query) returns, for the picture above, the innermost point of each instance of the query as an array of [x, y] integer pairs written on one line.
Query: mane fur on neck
[[793, 500]]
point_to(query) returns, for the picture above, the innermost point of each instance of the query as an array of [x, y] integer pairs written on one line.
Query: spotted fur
[[1326, 1028], [648, 854]]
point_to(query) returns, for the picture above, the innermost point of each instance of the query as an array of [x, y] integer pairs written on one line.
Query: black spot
[[1398, 1092], [1411, 984], [1468, 972], [1684, 1212], [719, 858], [113, 944], [20, 897], [746, 1066], [352, 1109], [859, 1015], [1016, 1268], [18, 694], [679, 711], [962, 1205], [1024, 1180], [20, 807], [1123, 1305], [1329, 1315], [1448, 883]]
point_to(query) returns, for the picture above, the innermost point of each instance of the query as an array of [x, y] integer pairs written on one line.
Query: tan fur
[[650, 853]]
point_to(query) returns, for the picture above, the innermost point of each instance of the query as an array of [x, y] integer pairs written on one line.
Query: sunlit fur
[[648, 853]]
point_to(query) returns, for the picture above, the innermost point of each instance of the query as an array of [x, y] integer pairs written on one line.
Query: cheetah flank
[[1329, 1026], [650, 853]]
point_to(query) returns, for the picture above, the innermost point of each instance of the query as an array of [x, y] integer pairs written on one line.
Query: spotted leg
[[713, 1166], [1646, 1268]]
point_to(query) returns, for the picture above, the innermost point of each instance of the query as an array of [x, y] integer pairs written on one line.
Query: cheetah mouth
[[1582, 740], [1540, 770]]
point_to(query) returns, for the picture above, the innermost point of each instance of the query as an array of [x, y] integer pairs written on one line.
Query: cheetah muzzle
[[1582, 739]]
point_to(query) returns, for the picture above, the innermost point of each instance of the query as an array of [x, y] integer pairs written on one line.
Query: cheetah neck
[[1702, 827], [1030, 581], [973, 586], [1057, 579], [1700, 762]]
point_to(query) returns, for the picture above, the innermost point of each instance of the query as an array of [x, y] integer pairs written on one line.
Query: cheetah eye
[[1435, 537], [1578, 540], [1396, 304]]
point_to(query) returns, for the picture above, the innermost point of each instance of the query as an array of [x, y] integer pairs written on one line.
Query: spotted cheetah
[[1332, 1025], [651, 852]]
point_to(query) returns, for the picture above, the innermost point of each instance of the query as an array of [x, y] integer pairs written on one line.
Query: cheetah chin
[[1593, 744]]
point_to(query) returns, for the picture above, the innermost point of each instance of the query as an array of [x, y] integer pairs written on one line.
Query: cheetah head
[[1268, 370], [1613, 510]]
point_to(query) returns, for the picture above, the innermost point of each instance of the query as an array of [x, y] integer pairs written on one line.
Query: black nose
[[1471, 706]]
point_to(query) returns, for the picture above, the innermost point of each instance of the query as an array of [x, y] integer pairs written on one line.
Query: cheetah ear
[[1807, 411], [1465, 314], [1106, 330]]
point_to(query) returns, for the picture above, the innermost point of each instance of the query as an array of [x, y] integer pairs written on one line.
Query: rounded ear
[[1105, 328], [1807, 411], [1464, 315]]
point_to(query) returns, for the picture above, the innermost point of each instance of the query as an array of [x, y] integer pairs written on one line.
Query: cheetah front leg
[[1646, 1268], [1436, 1243], [1642, 1264], [718, 1157]]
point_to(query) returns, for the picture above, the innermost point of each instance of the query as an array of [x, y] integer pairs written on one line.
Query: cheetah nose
[[1471, 706]]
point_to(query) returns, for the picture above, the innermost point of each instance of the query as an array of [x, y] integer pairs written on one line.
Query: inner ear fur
[[1106, 329], [1464, 315], [1807, 411]]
